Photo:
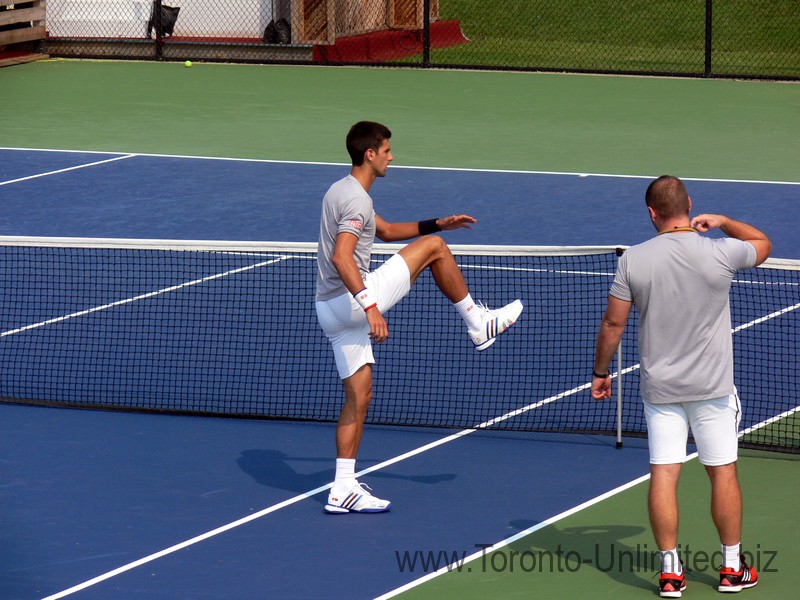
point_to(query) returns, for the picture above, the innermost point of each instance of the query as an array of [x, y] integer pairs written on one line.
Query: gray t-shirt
[[346, 207], [680, 283]]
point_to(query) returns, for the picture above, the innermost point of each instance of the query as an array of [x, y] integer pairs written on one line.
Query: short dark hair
[[363, 136], [668, 197]]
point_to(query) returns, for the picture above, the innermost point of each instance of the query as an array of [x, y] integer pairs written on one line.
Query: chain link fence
[[704, 38]]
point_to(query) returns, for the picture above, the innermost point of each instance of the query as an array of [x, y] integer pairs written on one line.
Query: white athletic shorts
[[714, 424], [345, 322]]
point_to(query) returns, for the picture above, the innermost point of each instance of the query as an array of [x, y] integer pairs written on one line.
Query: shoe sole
[[338, 510], [485, 345], [732, 589]]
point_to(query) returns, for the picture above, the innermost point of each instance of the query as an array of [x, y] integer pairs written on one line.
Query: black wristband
[[595, 374], [428, 226]]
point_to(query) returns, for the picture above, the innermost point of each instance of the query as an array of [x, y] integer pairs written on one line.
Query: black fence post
[[709, 36], [426, 33], [157, 13]]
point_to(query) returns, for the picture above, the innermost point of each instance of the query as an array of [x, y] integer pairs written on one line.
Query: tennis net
[[228, 328]]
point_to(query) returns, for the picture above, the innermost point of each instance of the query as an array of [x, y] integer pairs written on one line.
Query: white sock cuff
[[466, 308], [465, 304], [670, 561], [730, 556], [345, 471]]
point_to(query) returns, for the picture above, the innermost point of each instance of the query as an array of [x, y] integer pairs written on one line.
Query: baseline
[[396, 166]]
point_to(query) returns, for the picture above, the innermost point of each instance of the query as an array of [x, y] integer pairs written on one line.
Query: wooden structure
[[313, 21], [22, 28], [409, 14], [322, 21]]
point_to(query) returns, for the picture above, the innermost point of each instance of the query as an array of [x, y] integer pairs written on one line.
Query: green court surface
[[739, 130], [606, 550], [540, 122]]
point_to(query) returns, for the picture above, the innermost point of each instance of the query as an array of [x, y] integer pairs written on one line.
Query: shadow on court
[[273, 468], [605, 548]]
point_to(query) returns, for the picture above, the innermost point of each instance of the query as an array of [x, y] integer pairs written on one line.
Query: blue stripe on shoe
[[351, 500]]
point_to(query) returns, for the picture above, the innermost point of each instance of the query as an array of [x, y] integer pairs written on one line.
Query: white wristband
[[365, 300]]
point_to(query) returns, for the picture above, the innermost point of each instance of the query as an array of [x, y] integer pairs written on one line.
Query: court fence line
[[694, 39]]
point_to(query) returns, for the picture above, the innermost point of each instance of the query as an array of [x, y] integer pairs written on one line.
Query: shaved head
[[667, 196]]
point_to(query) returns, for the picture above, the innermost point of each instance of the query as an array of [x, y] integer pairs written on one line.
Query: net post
[[619, 396]]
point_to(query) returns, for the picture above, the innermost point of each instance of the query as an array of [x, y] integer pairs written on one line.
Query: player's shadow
[[276, 469], [615, 550], [600, 547]]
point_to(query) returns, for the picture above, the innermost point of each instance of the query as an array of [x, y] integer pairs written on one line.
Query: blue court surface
[[134, 196], [102, 504], [99, 491]]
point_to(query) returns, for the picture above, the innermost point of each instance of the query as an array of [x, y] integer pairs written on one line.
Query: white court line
[[304, 496], [770, 421], [535, 270], [515, 537], [773, 315], [76, 167], [458, 565], [187, 543], [377, 467], [124, 301], [396, 459], [412, 167], [484, 551]]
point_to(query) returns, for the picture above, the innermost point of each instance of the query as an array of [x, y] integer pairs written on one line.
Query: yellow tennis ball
[[187, 64]]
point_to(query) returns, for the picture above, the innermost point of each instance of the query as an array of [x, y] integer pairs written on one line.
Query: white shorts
[[345, 322], [714, 424]]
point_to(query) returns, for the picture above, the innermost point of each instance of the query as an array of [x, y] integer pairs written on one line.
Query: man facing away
[[680, 282], [351, 300]]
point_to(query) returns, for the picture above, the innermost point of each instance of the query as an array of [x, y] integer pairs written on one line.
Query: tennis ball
[[187, 64]]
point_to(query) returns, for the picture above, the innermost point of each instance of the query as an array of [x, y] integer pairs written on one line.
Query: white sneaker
[[358, 499], [495, 322]]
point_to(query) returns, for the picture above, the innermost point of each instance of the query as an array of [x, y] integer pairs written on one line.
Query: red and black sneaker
[[731, 580], [671, 585]]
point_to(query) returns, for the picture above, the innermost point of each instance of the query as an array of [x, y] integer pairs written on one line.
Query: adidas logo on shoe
[[495, 322], [731, 580]]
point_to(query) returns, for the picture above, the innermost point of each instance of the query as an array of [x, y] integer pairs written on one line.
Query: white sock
[[467, 309], [730, 556], [670, 563], [345, 473]]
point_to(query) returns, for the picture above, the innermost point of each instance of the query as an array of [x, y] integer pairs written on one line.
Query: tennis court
[[122, 504]]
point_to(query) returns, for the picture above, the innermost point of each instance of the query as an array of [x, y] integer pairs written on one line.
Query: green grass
[[750, 38]]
